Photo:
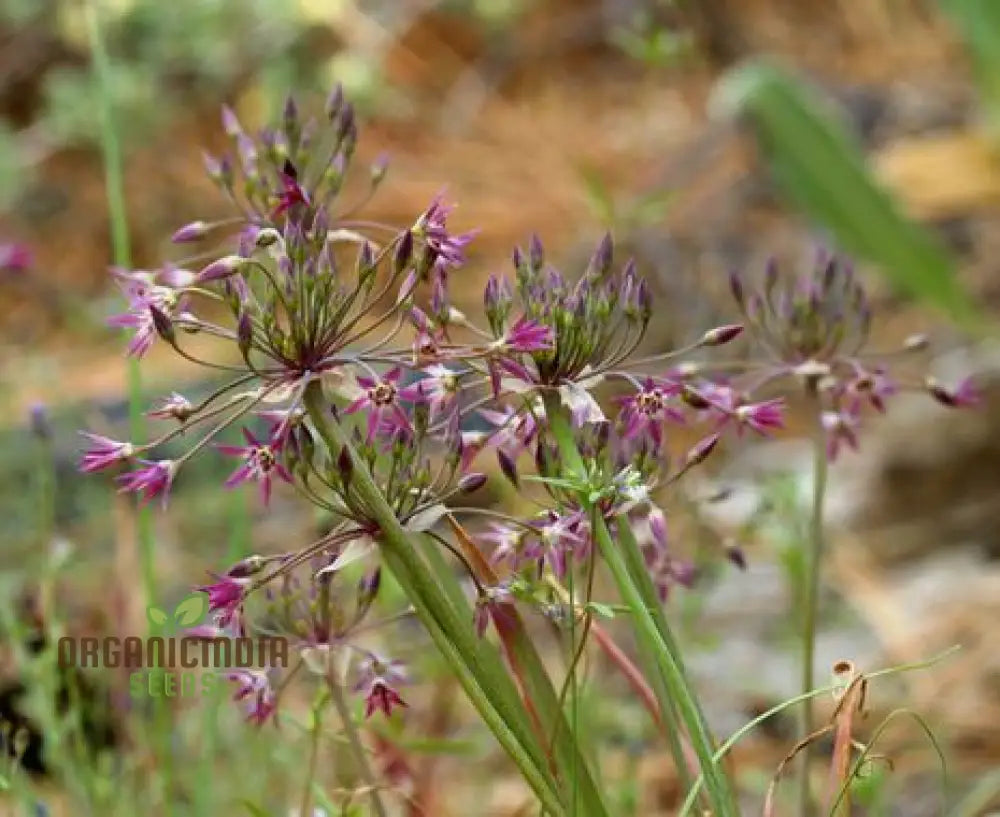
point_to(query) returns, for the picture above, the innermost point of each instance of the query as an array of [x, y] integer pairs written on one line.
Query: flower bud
[[345, 467], [404, 251], [536, 253], [721, 334], [508, 467], [162, 323], [195, 231], [378, 169], [701, 450], [335, 102], [230, 123], [220, 268], [41, 423], [600, 261], [471, 483], [244, 332]]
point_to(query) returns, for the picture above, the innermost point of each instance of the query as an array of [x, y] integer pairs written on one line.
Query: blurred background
[[565, 118]]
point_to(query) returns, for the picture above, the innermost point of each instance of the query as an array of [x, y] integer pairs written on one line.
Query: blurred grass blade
[[978, 22], [819, 167]]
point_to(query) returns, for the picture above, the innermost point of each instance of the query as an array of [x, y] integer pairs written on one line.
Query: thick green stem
[[659, 650], [538, 689], [479, 671], [810, 606]]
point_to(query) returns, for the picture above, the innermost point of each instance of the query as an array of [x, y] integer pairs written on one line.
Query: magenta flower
[[841, 428], [15, 257], [175, 407], [255, 686], [432, 227], [143, 297], [381, 403], [378, 680], [515, 430], [260, 464], [224, 597], [761, 417], [292, 192], [439, 390], [874, 386], [103, 453], [647, 410], [527, 336], [150, 481], [964, 395]]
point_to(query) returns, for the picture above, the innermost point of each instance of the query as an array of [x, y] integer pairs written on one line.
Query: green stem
[[537, 685], [481, 675], [114, 179], [659, 646], [810, 605], [354, 741]]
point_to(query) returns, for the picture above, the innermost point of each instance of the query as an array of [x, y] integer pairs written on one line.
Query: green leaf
[[191, 610], [253, 809], [603, 610], [156, 616], [979, 24], [824, 172]]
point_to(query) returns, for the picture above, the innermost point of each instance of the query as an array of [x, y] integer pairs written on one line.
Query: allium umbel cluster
[[294, 290]]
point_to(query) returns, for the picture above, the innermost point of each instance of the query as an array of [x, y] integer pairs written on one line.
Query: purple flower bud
[[41, 423], [721, 334], [965, 395], [379, 168], [471, 483], [600, 261], [162, 323], [701, 450], [736, 287], [345, 466], [508, 467], [536, 253], [335, 102], [195, 231], [230, 123], [404, 251], [290, 114], [244, 332], [221, 268]]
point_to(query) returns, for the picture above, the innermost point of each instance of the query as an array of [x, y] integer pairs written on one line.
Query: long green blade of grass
[[824, 173]]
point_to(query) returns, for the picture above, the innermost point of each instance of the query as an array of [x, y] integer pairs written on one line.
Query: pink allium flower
[[964, 395], [175, 407], [432, 227], [260, 464], [761, 417], [381, 404], [254, 687], [153, 480], [378, 679], [292, 192], [439, 389], [841, 428], [526, 336], [15, 257], [224, 597], [648, 409], [103, 453]]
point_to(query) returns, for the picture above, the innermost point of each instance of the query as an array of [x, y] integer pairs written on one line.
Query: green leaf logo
[[189, 613]]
